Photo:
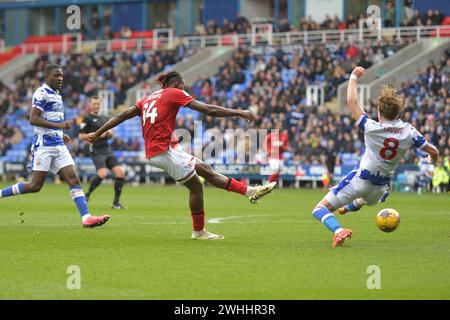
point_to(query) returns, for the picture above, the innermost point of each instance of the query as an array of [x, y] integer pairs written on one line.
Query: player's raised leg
[[255, 194], [69, 174], [37, 181], [119, 181], [324, 213], [197, 210], [355, 205]]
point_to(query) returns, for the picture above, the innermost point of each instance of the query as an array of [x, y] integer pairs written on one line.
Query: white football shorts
[[51, 159], [176, 163], [276, 165], [351, 187]]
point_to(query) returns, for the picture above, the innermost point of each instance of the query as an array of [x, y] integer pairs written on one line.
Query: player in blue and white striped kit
[[386, 143], [49, 151]]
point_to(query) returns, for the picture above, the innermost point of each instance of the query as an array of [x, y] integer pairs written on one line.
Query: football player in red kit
[[277, 142], [158, 112]]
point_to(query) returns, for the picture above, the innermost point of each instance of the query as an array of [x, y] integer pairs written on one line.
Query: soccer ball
[[388, 220]]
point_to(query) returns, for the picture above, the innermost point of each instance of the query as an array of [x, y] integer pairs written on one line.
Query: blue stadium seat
[[213, 80], [320, 78], [248, 75], [235, 88]]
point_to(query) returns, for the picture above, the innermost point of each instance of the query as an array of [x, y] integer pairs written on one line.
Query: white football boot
[[261, 191], [205, 235]]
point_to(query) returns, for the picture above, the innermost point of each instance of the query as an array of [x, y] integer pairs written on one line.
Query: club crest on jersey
[[39, 96]]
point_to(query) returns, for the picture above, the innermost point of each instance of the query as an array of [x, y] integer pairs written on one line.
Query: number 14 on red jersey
[[149, 111]]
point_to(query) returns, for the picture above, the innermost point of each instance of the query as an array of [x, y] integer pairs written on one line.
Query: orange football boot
[[339, 238], [94, 221]]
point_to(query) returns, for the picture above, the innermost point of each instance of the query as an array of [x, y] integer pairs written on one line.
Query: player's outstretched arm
[[433, 152], [352, 95], [85, 136], [37, 120], [217, 111], [129, 113]]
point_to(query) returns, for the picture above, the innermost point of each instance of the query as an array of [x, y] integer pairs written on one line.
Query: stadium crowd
[[84, 76], [271, 83], [241, 25], [100, 27], [312, 130], [274, 85]]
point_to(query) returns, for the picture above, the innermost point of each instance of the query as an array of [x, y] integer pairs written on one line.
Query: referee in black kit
[[101, 152], [330, 158]]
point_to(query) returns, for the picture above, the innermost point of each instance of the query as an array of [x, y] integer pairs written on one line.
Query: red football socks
[[274, 177], [198, 220], [236, 186]]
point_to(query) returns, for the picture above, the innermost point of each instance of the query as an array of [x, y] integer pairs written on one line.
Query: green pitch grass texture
[[272, 250]]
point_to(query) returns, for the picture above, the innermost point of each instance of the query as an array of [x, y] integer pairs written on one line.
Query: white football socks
[[250, 191]]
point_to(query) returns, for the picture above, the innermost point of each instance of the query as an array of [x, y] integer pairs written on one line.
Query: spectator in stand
[[408, 13], [200, 29], [284, 25], [417, 20], [107, 33], [352, 23], [389, 20], [117, 144], [94, 24], [107, 18], [438, 18], [352, 51], [125, 32], [241, 23]]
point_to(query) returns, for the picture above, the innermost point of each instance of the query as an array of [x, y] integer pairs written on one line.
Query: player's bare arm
[[129, 113], [84, 136], [352, 97], [433, 152], [217, 111], [37, 120], [66, 139]]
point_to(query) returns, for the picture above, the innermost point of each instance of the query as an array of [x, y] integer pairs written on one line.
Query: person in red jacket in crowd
[[276, 143]]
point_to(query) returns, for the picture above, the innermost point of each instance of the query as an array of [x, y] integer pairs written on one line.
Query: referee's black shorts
[[104, 160]]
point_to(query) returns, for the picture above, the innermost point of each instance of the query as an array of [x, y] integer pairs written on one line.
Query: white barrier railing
[[107, 101], [363, 91], [317, 36], [262, 35], [315, 95], [141, 94]]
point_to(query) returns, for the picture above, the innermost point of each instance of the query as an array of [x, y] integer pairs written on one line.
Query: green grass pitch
[[273, 250]]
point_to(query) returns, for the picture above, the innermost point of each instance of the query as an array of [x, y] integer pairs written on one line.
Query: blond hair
[[390, 104]]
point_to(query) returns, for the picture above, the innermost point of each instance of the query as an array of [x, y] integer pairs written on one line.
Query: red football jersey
[[276, 144], [158, 112]]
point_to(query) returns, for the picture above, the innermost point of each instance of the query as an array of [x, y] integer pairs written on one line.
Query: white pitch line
[[220, 220]]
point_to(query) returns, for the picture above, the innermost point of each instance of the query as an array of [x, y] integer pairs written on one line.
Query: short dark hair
[[167, 79], [50, 67], [94, 98]]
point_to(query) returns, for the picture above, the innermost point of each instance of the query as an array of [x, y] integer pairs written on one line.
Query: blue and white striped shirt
[[50, 103]]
